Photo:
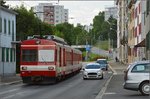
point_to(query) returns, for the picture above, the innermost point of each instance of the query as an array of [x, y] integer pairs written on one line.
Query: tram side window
[[29, 55]]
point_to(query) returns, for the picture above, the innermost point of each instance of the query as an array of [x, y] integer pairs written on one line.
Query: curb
[[11, 83]]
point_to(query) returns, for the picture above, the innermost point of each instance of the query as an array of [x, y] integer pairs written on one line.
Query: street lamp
[[100, 39], [109, 34]]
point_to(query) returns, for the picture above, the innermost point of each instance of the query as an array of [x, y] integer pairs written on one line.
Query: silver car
[[92, 70], [137, 77]]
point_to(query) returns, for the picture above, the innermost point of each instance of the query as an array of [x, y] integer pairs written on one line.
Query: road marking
[[114, 71], [14, 82], [101, 93], [10, 96], [8, 91], [109, 93]]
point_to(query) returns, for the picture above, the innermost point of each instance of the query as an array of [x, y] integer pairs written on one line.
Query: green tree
[[27, 24], [2, 3]]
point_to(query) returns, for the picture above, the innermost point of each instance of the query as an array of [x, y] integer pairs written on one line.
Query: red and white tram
[[48, 60]]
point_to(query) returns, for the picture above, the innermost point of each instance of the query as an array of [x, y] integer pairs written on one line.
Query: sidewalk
[[117, 67], [10, 79]]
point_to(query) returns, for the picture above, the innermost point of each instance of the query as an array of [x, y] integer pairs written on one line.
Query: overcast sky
[[82, 12]]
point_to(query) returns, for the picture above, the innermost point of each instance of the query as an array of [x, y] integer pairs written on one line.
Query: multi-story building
[[147, 29], [7, 36], [122, 31], [51, 14], [139, 29], [131, 30], [110, 11], [132, 22]]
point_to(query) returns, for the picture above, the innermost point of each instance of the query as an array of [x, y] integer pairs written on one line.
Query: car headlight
[[85, 72], [99, 72]]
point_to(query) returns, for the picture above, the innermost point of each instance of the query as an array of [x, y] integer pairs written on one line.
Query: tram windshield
[[33, 55]]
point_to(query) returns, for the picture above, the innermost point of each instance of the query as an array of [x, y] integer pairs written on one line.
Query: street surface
[[71, 88], [75, 88], [115, 87], [115, 90]]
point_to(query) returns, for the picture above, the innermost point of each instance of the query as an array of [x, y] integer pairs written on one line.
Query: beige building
[[147, 29], [131, 31], [122, 31]]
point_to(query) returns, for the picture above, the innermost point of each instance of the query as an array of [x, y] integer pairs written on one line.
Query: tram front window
[[33, 55], [29, 55], [46, 55]]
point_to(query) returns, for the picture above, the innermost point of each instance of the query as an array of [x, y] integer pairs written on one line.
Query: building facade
[[7, 36], [122, 31], [133, 30], [147, 29], [51, 14]]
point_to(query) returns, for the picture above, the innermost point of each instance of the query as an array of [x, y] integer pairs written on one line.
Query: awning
[[141, 44]]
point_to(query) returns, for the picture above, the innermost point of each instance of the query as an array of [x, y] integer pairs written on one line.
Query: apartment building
[[51, 14], [147, 29], [7, 36], [139, 29], [122, 31], [131, 37]]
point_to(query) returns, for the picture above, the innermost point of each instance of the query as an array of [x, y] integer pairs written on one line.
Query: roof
[[140, 62], [8, 10], [101, 59], [93, 64]]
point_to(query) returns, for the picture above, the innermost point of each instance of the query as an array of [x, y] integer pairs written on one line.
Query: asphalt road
[[115, 90], [71, 88]]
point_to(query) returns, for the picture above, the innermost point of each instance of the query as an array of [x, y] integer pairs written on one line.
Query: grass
[[102, 45], [92, 56]]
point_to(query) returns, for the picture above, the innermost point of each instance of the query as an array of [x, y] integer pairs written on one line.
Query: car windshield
[[92, 67], [102, 61]]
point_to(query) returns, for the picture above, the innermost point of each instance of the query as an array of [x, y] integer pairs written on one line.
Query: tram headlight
[[23, 68], [50, 68], [38, 42]]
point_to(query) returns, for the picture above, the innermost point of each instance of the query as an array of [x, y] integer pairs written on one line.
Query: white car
[[92, 70]]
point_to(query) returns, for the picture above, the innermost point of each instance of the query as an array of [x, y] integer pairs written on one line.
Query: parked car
[[92, 70], [137, 77], [103, 63]]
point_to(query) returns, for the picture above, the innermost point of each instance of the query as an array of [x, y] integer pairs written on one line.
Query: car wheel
[[84, 78], [102, 77], [145, 88]]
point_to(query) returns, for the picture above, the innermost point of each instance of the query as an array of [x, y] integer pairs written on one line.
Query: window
[[5, 26], [46, 56], [3, 54], [0, 24], [11, 55], [29, 55], [7, 55], [135, 34], [14, 55], [9, 27], [141, 68], [140, 28], [13, 31]]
